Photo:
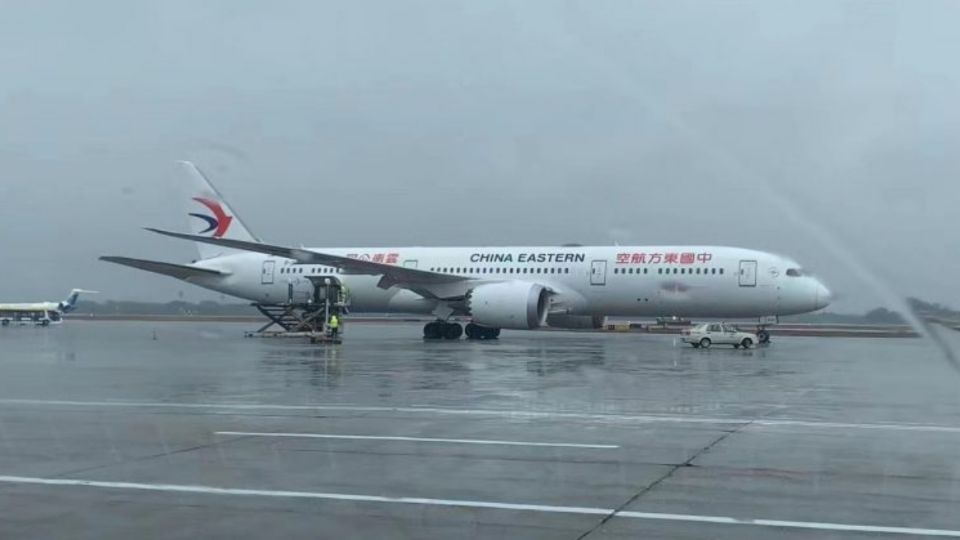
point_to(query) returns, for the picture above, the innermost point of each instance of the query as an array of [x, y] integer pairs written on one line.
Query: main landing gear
[[451, 331], [442, 330], [481, 332]]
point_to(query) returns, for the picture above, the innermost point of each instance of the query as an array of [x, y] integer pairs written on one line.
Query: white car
[[705, 335]]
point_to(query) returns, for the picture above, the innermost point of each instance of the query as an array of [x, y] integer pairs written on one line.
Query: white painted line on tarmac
[[415, 439], [597, 417], [689, 518], [842, 425]]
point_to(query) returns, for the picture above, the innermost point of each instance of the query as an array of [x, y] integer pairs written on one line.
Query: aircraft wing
[[423, 282], [178, 271]]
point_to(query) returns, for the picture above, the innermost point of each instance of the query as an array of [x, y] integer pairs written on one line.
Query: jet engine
[[517, 305]]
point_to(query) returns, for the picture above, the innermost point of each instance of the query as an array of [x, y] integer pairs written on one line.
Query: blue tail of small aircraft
[[70, 303]]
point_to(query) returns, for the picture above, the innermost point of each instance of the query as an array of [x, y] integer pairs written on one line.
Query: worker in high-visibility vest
[[334, 325]]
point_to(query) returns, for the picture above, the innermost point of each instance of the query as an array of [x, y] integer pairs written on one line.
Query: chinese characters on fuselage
[[686, 257], [384, 258]]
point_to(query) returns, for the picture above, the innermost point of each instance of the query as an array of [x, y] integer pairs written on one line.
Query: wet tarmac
[[176, 430]]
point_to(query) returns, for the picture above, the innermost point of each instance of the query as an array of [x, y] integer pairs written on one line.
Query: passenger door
[[748, 273], [266, 274], [598, 273]]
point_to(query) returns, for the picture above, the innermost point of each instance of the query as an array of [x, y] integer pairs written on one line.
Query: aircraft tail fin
[[70, 303], [210, 214]]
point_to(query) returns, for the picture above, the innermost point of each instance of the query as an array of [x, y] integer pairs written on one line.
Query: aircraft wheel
[[705, 343], [472, 331], [763, 336], [746, 343], [432, 330], [489, 333], [452, 331]]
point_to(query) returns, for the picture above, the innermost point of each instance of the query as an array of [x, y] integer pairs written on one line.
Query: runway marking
[[416, 439], [598, 417], [690, 518]]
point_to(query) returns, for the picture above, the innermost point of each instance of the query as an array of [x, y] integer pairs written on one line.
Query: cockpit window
[[794, 272]]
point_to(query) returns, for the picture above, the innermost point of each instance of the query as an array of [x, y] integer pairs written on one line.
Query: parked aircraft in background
[[39, 313]]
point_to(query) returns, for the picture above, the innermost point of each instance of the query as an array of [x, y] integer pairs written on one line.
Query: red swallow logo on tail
[[219, 222]]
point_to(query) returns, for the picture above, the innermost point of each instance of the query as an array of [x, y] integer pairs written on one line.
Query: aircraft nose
[[823, 296]]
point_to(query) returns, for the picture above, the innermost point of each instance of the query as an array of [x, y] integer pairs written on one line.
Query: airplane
[[507, 287], [40, 313]]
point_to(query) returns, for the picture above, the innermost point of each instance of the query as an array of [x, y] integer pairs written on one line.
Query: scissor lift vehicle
[[309, 320]]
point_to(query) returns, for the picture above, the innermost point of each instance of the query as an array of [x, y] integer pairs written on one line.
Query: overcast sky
[[827, 131]]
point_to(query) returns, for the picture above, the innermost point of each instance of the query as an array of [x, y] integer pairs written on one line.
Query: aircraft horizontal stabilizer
[[392, 275], [178, 271]]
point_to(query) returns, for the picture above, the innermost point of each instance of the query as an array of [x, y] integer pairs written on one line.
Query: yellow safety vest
[[334, 322]]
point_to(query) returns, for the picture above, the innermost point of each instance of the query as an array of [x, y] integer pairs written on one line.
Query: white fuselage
[[688, 281]]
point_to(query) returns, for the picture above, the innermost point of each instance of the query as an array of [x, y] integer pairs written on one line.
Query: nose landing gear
[[763, 336]]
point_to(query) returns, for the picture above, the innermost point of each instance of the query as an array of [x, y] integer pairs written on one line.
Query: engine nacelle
[[512, 304]]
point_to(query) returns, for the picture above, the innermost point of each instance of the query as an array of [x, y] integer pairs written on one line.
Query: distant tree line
[[881, 315], [928, 309], [210, 308], [874, 316]]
